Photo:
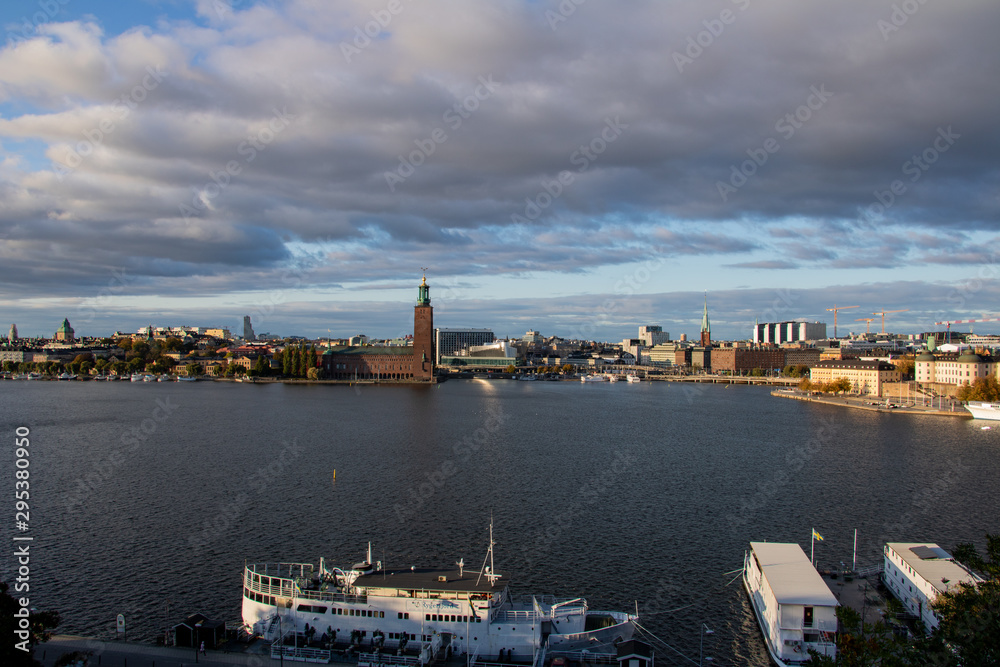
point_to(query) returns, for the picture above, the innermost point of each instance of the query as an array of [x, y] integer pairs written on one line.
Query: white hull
[[981, 410], [429, 610]]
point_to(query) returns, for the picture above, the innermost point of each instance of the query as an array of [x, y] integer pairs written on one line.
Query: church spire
[[706, 329]]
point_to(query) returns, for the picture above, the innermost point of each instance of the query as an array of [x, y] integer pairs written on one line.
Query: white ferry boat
[[593, 378], [794, 607], [438, 612], [981, 410]]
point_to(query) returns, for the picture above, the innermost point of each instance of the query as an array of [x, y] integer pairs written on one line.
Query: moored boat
[[436, 611], [984, 410], [794, 607]]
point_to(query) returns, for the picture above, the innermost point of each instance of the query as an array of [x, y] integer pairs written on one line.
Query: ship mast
[[491, 574]]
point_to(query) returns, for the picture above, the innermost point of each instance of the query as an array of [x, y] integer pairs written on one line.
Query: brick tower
[[423, 334], [706, 328]]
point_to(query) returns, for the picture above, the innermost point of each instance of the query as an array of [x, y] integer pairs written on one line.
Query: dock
[[875, 404]]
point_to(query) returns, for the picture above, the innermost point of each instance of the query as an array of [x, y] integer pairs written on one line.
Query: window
[[807, 617]]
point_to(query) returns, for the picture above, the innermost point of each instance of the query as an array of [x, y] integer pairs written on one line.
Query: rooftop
[[427, 579], [933, 563], [792, 578]]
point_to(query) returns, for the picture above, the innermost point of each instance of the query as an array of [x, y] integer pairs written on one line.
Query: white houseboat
[[917, 572], [794, 607], [437, 611]]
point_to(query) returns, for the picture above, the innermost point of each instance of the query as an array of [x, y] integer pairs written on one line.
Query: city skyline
[[576, 169]]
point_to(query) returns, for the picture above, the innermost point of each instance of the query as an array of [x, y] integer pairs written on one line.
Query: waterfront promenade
[[876, 404], [134, 654]]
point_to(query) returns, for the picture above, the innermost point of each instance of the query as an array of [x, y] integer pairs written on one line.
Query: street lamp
[[705, 630]]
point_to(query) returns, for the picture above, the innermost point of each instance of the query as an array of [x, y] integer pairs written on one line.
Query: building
[[741, 360], [12, 336], [777, 333], [217, 332], [450, 342], [248, 333], [794, 607], [917, 572], [952, 369], [382, 362], [665, 354], [652, 335], [802, 356], [532, 337], [13, 356], [497, 355], [701, 357], [65, 333], [866, 377]]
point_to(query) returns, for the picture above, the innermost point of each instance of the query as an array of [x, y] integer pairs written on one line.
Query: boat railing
[[372, 659], [329, 596], [588, 657], [286, 570], [516, 615]]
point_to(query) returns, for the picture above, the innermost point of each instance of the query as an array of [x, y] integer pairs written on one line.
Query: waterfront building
[[866, 377], [497, 355], [383, 362], [65, 332], [652, 335], [952, 369], [917, 572], [777, 333], [248, 333], [13, 356], [802, 356], [701, 357], [450, 342], [665, 354], [741, 361]]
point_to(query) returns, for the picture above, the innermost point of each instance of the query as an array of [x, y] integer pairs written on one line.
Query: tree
[[970, 613], [511, 369], [311, 357], [8, 366], [861, 644], [39, 625], [125, 344], [193, 370], [981, 389], [806, 384], [313, 373], [905, 368]]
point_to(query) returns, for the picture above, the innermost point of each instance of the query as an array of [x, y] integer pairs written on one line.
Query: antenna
[[461, 566], [491, 574]]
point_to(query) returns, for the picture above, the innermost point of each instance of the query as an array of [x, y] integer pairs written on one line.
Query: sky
[[579, 168]]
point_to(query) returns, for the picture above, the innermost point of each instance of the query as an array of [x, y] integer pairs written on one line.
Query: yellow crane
[[868, 326], [884, 312], [835, 310]]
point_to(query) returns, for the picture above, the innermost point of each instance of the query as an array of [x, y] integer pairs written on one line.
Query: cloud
[[205, 154]]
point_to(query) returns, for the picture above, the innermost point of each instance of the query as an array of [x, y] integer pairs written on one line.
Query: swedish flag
[[817, 535]]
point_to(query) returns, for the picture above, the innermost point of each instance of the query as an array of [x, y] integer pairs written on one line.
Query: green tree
[[125, 344], [970, 612], [286, 361], [8, 366], [311, 357], [300, 364], [862, 644], [982, 389], [193, 370], [38, 631]]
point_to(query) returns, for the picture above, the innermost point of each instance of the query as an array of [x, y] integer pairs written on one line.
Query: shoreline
[[859, 403]]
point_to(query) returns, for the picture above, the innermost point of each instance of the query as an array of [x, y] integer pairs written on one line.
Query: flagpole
[[812, 546], [854, 566]]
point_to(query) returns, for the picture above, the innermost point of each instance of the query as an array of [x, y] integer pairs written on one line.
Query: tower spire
[[706, 329]]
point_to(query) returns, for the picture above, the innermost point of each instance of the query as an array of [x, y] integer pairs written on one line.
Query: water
[[626, 494]]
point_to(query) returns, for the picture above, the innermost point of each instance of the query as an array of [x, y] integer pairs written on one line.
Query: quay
[[134, 654], [876, 404]]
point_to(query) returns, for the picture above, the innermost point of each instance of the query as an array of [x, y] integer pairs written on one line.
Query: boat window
[[807, 617]]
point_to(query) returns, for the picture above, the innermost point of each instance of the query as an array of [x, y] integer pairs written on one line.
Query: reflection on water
[[629, 494]]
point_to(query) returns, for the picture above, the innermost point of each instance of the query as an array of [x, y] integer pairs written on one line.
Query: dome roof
[[925, 356], [970, 358]]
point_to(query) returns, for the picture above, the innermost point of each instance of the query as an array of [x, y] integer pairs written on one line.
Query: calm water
[[641, 494]]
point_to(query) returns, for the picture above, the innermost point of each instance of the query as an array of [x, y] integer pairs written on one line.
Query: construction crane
[[948, 324], [884, 312], [835, 309], [868, 326]]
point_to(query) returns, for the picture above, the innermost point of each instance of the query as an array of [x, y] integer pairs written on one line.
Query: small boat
[[984, 410], [592, 378], [612, 378], [633, 378], [185, 378]]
